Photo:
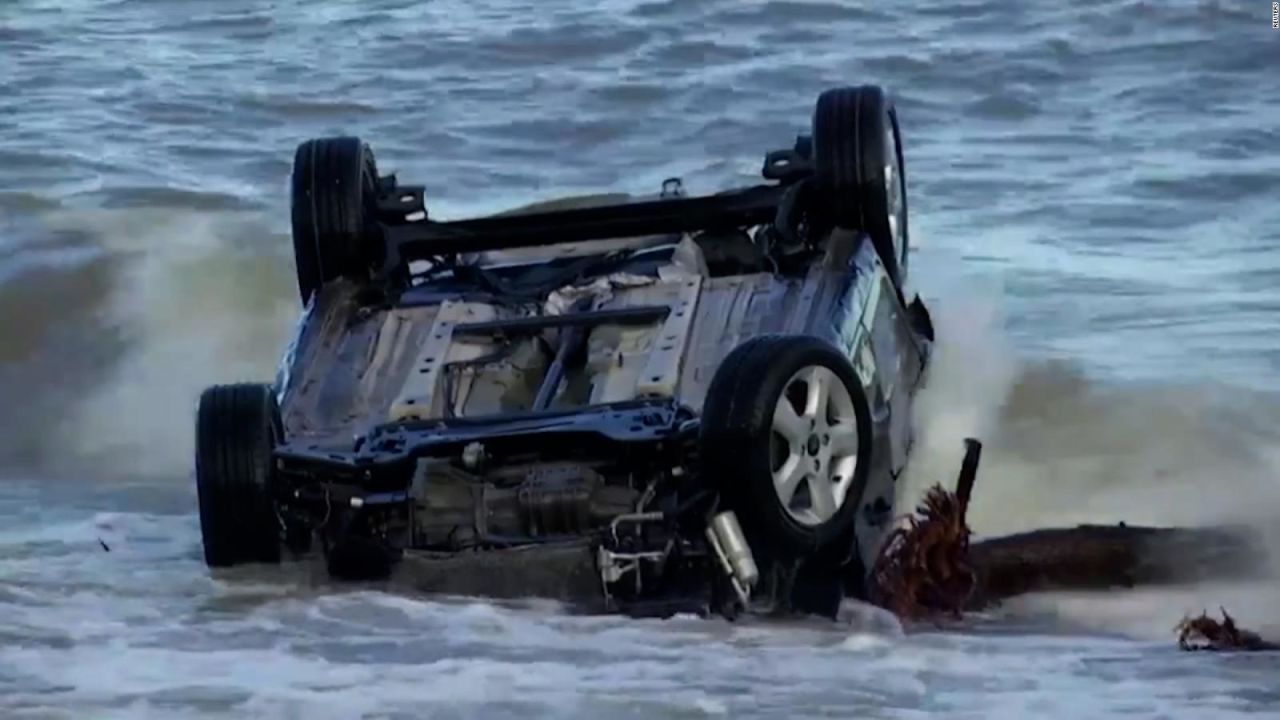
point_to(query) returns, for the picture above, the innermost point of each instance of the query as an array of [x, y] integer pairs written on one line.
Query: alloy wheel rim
[[813, 445]]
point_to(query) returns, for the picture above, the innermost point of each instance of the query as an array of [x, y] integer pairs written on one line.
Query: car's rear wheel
[[786, 435], [858, 169], [334, 211], [237, 428]]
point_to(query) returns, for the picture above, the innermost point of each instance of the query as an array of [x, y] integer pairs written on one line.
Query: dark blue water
[[1093, 188]]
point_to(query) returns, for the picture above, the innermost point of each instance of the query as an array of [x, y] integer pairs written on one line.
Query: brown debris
[[927, 567], [923, 567], [1205, 633], [1106, 557]]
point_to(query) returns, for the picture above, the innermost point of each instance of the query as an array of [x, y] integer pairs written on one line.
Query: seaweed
[[1204, 633], [923, 566]]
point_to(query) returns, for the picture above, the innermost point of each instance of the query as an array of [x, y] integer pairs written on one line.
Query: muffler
[[730, 545]]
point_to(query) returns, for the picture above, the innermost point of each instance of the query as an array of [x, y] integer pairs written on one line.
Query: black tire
[[237, 428], [738, 442], [855, 136], [334, 208]]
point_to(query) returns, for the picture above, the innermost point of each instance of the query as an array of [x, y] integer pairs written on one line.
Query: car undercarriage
[[670, 404]]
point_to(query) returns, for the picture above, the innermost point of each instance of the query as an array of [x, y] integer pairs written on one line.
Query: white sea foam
[[1061, 155]]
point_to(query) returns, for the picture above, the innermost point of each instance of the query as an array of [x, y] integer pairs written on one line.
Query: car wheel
[[334, 208], [786, 438], [859, 172], [237, 428]]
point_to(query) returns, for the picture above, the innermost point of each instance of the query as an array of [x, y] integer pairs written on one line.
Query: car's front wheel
[[237, 428], [786, 435]]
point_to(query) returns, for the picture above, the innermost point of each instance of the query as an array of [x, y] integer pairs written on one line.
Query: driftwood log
[[929, 566], [1101, 557]]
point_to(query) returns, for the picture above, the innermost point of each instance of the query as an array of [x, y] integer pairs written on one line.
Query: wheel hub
[[813, 445]]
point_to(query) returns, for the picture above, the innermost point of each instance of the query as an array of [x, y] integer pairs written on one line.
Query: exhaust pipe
[[730, 544]]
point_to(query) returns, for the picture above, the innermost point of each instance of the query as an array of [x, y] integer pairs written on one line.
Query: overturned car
[[642, 405]]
